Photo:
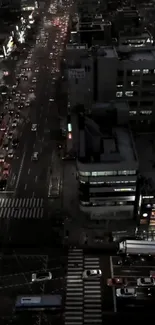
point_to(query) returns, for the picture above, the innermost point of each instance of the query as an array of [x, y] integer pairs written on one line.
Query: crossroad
[[83, 303], [21, 208]]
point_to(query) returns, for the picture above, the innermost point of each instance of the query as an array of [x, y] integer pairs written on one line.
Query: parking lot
[[144, 301], [16, 277]]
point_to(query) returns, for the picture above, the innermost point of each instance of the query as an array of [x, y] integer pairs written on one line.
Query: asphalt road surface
[[144, 302], [32, 179]]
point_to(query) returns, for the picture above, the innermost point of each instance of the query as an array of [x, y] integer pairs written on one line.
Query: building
[[125, 73], [10, 11], [107, 164]]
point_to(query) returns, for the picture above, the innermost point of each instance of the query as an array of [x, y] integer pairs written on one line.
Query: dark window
[[120, 73]]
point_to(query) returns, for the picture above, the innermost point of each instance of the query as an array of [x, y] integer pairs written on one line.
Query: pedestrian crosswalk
[[83, 297], [74, 288], [21, 208], [92, 294]]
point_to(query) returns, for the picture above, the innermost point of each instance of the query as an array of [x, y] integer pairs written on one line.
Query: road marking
[[33, 194], [13, 178], [36, 179], [20, 169], [113, 289], [25, 187], [29, 171]]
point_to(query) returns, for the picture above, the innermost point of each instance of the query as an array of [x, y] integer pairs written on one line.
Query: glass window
[[145, 71], [119, 94], [137, 71], [84, 173], [129, 93], [132, 113]]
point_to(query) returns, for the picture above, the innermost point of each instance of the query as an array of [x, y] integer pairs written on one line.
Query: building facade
[[109, 73], [107, 165]]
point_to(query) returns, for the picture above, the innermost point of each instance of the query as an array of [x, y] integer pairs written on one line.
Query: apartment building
[[125, 73], [107, 164]]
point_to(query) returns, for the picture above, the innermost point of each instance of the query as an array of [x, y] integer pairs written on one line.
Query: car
[[11, 111], [6, 144], [31, 90], [2, 157], [34, 79], [10, 153], [126, 292], [15, 142], [6, 170], [51, 100], [14, 123], [3, 183], [35, 156], [34, 127], [36, 69], [91, 274], [27, 103], [41, 276], [145, 282], [117, 282], [23, 96], [10, 135]]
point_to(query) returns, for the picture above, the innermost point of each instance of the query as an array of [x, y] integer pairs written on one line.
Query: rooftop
[[101, 143]]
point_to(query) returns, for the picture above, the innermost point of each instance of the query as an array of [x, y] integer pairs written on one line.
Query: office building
[[124, 73], [107, 164]]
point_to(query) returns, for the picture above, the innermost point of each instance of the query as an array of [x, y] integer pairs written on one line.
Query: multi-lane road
[[32, 177], [84, 301]]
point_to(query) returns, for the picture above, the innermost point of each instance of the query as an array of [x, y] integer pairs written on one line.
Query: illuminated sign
[[76, 73]]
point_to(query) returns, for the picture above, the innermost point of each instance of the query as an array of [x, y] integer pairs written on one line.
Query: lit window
[[119, 94], [84, 173], [149, 112], [137, 71], [145, 71], [129, 93], [132, 113], [124, 189]]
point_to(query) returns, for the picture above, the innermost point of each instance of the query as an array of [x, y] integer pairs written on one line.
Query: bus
[[54, 187], [39, 303], [137, 247]]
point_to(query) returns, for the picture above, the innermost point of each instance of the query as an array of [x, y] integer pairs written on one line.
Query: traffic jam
[[133, 275], [19, 98]]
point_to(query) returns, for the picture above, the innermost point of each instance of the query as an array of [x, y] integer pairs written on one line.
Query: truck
[[136, 247]]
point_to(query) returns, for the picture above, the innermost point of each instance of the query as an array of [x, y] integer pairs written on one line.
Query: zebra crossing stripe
[[92, 294], [74, 288], [21, 208]]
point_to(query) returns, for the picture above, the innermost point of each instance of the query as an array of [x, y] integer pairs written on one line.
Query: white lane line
[[29, 171], [36, 179], [113, 289], [25, 187], [33, 194], [20, 170]]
